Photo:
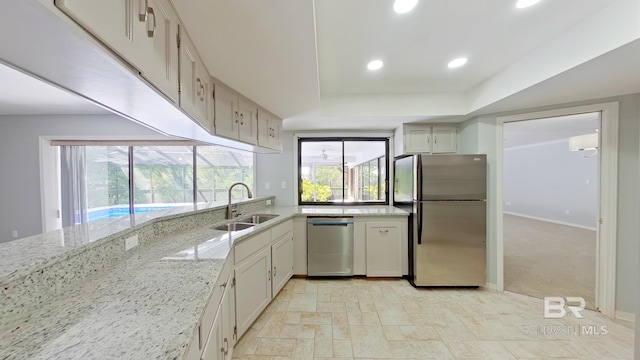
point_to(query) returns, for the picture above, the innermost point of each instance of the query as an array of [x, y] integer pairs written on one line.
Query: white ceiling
[[417, 46], [305, 60], [522, 133]]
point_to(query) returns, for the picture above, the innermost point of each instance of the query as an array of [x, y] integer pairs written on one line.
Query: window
[[163, 177], [342, 170], [218, 168], [96, 180]]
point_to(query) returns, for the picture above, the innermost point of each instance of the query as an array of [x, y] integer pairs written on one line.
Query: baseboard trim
[[626, 316], [490, 286], [552, 221]]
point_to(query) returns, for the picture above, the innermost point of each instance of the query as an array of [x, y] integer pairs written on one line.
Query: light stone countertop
[[148, 305]]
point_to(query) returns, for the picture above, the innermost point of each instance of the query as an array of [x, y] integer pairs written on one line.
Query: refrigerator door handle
[[419, 214]]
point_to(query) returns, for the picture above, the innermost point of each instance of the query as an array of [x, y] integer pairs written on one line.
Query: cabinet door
[[253, 288], [212, 348], [282, 262], [194, 81], [445, 139], [417, 139], [384, 249], [158, 40], [112, 22], [275, 139], [228, 311], [226, 119], [264, 119], [248, 129]]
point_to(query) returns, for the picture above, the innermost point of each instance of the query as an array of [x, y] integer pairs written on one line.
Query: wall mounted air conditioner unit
[[586, 144]]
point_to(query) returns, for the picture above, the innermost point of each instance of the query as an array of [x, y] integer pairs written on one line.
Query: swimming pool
[[116, 211]]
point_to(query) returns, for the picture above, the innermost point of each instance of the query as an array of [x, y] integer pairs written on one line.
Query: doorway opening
[[605, 278], [551, 206]]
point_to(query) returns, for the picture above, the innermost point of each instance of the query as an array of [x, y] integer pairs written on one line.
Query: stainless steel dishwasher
[[329, 246]]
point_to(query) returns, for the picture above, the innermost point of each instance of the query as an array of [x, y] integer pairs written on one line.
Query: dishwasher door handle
[[329, 224]]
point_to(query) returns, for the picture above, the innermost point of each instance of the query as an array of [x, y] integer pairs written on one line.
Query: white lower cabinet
[[229, 328], [282, 262], [253, 287], [212, 348], [384, 249]]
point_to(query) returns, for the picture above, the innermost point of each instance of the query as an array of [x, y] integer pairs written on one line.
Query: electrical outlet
[[508, 203], [588, 181], [284, 185], [14, 233], [131, 242], [268, 202], [267, 185], [567, 211]]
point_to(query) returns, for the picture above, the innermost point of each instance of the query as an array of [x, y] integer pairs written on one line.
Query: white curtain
[[73, 167]]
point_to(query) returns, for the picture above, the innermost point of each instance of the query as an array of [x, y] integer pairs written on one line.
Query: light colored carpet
[[545, 259]]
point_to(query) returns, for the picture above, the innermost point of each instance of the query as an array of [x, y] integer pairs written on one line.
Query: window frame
[[344, 139]]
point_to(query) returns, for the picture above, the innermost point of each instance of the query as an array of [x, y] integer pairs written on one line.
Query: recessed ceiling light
[[404, 6], [457, 62], [521, 4], [375, 65]]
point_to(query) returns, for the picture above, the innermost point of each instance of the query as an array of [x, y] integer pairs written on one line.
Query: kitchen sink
[[234, 226], [259, 218]]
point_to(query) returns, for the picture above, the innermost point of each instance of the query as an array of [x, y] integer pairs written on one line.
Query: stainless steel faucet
[[231, 210]]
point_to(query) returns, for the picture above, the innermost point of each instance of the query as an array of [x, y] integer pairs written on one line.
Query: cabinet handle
[[269, 275], [435, 139], [225, 348], [224, 285], [236, 117], [275, 271], [241, 118], [151, 30], [198, 92], [142, 11], [202, 93], [384, 230]]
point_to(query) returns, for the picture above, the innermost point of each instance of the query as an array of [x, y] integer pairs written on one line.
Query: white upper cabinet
[[235, 117], [226, 117], [444, 139], [143, 32], [113, 22], [417, 139], [194, 82], [148, 35], [269, 130], [248, 125], [160, 46], [424, 138]]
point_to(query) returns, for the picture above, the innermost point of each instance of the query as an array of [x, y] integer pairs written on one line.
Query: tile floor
[[389, 319]]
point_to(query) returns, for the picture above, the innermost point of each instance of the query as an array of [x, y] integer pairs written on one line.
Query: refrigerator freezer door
[[403, 185], [453, 247], [454, 177]]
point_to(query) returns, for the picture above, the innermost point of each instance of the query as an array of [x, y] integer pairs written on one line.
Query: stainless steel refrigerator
[[446, 196]]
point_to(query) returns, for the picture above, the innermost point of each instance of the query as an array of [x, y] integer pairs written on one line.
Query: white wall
[[276, 169], [546, 180], [20, 161], [628, 197]]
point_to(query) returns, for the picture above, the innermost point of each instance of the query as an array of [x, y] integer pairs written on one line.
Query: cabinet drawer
[[214, 301], [279, 230], [251, 245]]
